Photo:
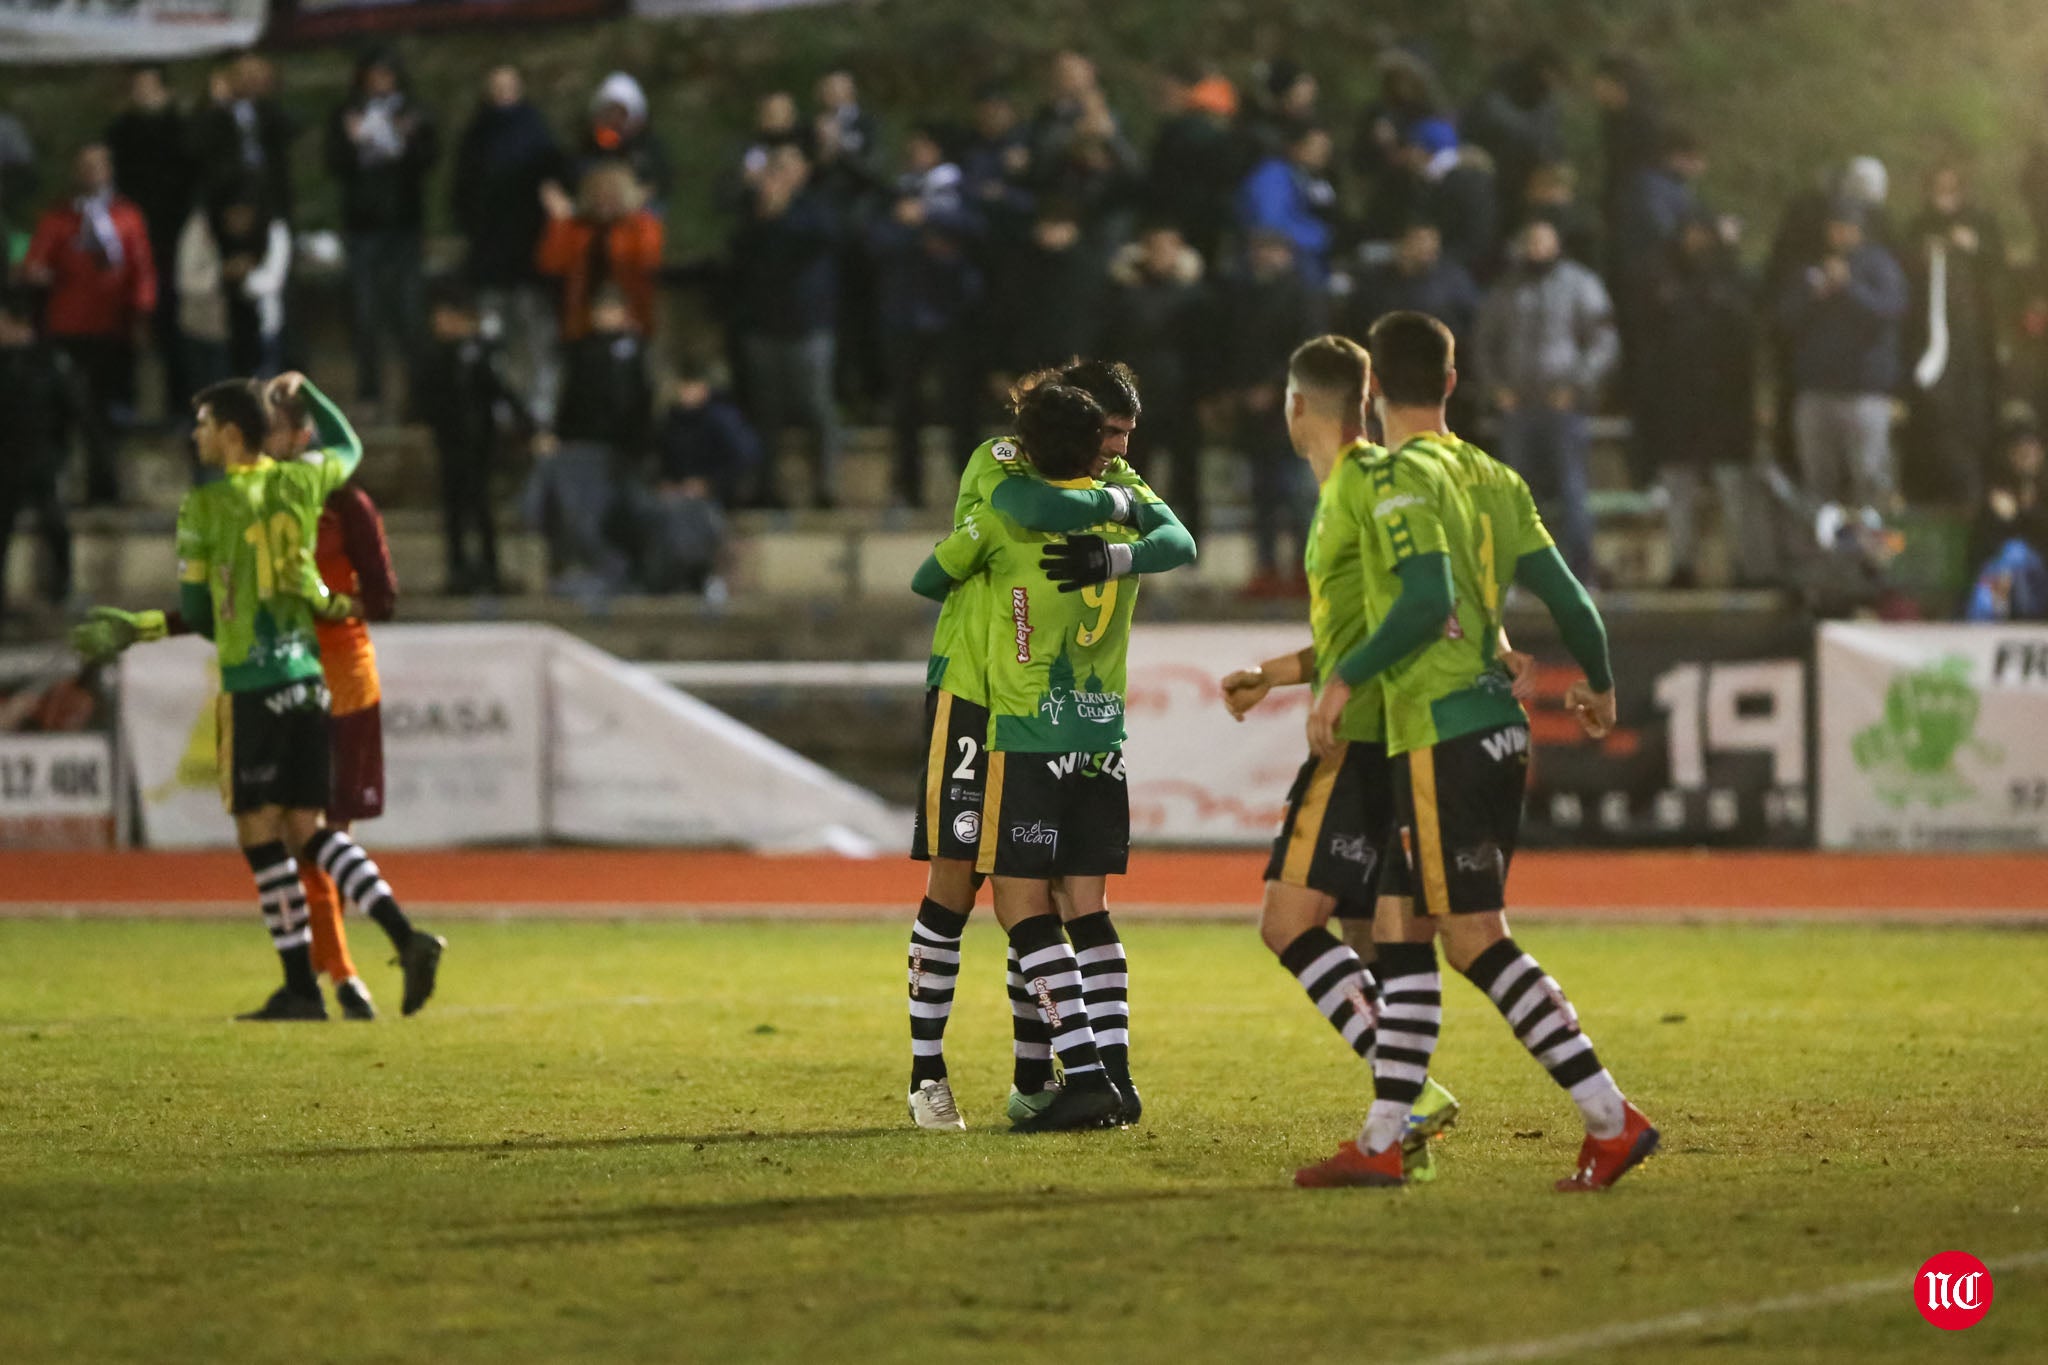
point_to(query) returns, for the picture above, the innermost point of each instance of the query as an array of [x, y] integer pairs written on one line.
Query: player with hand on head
[[247, 582], [1450, 529], [1000, 475], [353, 560]]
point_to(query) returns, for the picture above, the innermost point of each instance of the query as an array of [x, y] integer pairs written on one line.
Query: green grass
[[687, 1142]]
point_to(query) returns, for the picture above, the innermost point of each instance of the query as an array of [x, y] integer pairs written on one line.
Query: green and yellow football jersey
[[956, 664], [1053, 663], [1334, 560], [239, 537], [1440, 495]]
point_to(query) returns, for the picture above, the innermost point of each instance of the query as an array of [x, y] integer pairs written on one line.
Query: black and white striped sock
[[1411, 1014], [1053, 981], [284, 913], [1337, 984], [1105, 988], [1536, 1009], [1030, 1039], [359, 881], [934, 971]]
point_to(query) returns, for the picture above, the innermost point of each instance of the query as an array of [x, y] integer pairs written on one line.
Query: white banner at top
[[54, 31], [678, 9], [1933, 737]]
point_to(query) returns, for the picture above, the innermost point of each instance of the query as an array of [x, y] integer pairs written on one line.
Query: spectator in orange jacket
[[606, 238], [92, 255]]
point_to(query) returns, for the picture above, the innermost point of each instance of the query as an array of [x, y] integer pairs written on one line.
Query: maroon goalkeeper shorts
[[357, 741]]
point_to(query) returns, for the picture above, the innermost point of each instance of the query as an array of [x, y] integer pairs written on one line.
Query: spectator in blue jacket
[[1291, 195], [1843, 313]]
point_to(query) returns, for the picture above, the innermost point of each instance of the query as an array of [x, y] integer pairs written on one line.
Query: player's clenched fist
[[1244, 690], [1595, 710]]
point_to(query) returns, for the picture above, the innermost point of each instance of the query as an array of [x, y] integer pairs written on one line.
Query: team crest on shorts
[[967, 827]]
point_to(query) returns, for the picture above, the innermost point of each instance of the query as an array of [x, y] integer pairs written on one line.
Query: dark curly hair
[[1061, 430], [1111, 383]]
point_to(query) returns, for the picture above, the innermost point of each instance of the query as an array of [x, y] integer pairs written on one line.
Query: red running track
[[1676, 885]]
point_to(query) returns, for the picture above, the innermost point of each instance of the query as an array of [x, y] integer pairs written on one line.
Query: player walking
[[247, 582], [1001, 475], [1449, 529], [1326, 859]]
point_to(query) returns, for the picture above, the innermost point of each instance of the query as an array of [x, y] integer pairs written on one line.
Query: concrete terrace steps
[[865, 550]]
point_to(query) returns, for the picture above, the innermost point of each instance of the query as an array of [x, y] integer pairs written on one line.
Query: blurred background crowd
[[1878, 348]]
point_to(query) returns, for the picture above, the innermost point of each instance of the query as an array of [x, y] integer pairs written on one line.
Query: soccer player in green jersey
[[1001, 476], [1055, 805], [1326, 859], [1450, 528], [248, 583]]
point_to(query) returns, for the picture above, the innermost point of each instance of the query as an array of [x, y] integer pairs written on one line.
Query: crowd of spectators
[[899, 270]]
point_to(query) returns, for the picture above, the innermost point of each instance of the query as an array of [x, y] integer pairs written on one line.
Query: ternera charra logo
[[1930, 717]]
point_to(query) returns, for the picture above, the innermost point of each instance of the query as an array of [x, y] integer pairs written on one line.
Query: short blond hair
[[1334, 368]]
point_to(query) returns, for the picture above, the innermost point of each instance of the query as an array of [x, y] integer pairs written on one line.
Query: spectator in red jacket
[[605, 237], [92, 255]]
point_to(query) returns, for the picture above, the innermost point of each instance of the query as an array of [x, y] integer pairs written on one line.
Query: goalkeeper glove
[[106, 631], [304, 582], [1083, 561]]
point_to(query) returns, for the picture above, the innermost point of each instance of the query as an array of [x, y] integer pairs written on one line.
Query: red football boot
[[1602, 1161], [1350, 1166]]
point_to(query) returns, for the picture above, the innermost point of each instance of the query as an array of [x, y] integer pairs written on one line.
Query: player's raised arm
[[331, 431], [1544, 573]]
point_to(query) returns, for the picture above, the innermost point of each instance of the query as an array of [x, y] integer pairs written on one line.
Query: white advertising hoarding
[[1933, 737], [1197, 776], [511, 734], [464, 726]]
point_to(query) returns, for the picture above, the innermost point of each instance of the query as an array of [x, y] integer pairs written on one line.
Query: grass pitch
[[687, 1141]]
